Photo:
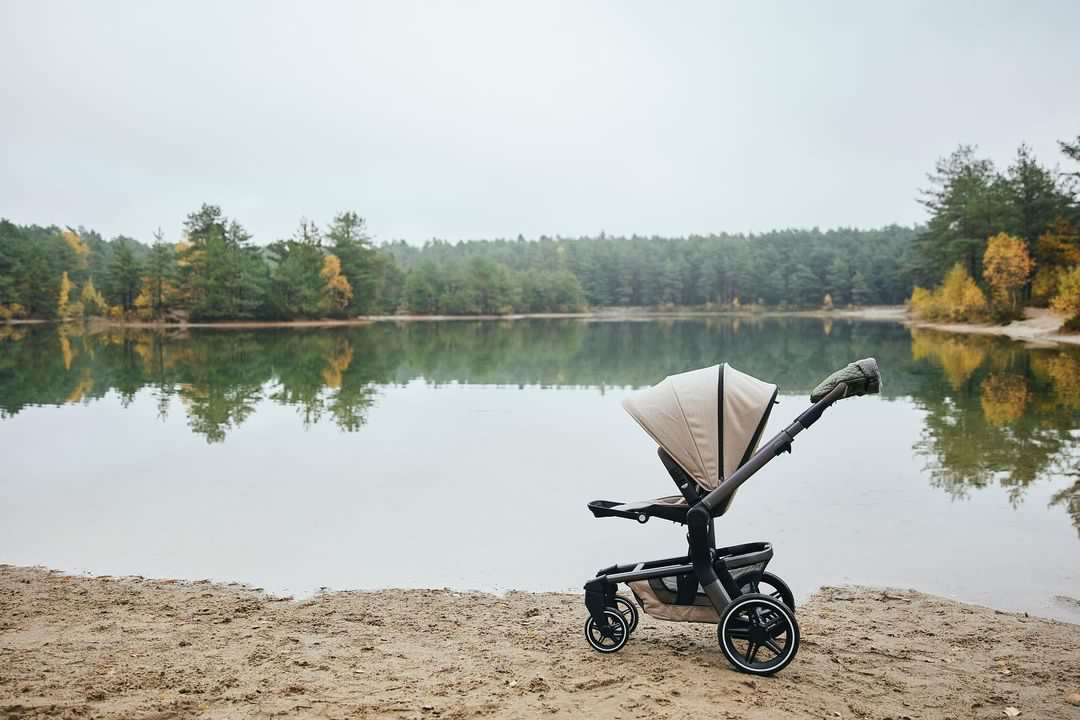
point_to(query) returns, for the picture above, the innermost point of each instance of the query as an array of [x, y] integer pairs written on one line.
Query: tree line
[[214, 273], [788, 267], [217, 273]]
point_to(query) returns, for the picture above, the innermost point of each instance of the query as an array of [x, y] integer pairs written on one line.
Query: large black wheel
[[758, 634], [610, 637], [629, 613], [767, 584]]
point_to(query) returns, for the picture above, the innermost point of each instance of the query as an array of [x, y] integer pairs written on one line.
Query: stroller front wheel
[[758, 634], [607, 638]]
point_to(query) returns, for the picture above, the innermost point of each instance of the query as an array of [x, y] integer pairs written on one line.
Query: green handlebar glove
[[862, 377]]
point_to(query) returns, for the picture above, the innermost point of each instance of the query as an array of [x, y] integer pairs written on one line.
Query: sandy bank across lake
[[1039, 327], [129, 647]]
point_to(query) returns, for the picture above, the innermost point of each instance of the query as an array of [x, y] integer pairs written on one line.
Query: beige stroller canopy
[[708, 420]]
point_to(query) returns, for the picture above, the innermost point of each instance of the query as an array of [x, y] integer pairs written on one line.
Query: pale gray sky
[[484, 119]]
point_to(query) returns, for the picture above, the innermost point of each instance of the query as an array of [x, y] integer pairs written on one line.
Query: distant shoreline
[[1039, 327], [870, 312]]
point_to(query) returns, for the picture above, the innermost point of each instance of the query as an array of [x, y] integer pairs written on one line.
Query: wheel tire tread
[[783, 609]]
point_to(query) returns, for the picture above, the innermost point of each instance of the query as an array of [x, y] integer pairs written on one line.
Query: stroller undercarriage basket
[[680, 598]]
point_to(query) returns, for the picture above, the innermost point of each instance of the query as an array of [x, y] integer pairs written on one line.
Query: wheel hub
[[758, 635]]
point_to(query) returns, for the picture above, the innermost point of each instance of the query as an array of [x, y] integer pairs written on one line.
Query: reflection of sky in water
[[485, 487]]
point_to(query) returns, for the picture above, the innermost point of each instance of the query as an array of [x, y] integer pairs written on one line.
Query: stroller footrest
[[672, 508]]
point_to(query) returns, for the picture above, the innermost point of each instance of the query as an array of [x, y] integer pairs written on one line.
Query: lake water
[[462, 454]]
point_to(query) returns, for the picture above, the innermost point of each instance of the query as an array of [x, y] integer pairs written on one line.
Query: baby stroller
[[708, 424]]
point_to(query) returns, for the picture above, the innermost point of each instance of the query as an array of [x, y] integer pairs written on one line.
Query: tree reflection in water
[[1004, 414], [996, 412]]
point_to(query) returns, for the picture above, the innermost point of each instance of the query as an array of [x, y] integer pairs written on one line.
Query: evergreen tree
[[125, 276], [805, 287], [423, 289], [1035, 200], [296, 280], [349, 241], [160, 272], [861, 292], [838, 281], [967, 204]]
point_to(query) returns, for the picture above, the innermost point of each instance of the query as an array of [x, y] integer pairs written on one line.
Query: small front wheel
[[758, 634], [610, 637], [630, 614]]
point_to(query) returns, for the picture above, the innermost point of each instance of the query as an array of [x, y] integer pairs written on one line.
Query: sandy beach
[[85, 647], [1039, 327]]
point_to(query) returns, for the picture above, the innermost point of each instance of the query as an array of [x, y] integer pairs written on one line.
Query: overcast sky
[[469, 119]]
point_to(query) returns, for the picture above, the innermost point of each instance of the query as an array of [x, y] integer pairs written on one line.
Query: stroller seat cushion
[[670, 500]]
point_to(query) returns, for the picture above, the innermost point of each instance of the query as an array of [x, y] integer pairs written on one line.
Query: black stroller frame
[[749, 622]]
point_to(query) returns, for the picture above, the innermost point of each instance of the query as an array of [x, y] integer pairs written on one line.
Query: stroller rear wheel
[[758, 634], [607, 639], [629, 613], [767, 584]]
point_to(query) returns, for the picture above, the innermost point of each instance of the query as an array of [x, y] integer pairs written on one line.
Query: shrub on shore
[[957, 299], [1067, 300]]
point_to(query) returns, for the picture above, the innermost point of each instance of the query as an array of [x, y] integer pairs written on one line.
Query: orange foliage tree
[[336, 289], [1007, 265]]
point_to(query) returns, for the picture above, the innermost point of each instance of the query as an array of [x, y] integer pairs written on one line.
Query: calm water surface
[[462, 454]]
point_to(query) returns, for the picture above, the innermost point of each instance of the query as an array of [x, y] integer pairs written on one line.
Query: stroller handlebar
[[861, 377]]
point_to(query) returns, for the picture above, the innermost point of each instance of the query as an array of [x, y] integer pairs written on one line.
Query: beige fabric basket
[[657, 598]]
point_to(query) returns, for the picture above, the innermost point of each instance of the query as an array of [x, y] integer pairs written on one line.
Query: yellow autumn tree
[[13, 311], [1007, 265], [1056, 250], [76, 244], [144, 302], [63, 303], [92, 301], [1067, 300], [958, 299], [336, 289]]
